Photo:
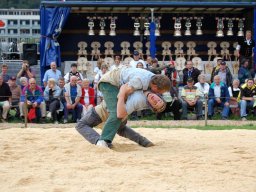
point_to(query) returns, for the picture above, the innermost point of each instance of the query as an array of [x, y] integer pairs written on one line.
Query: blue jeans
[[243, 105], [76, 112], [212, 103]]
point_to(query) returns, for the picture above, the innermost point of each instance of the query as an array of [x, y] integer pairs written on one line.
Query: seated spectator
[[173, 104], [190, 71], [224, 73], [117, 63], [148, 62], [98, 94], [88, 96], [5, 99], [73, 93], [243, 72], [25, 71], [171, 72], [52, 94], [52, 73], [155, 68], [203, 87], [218, 96], [246, 98], [61, 85], [139, 65], [16, 93], [234, 90], [190, 98], [4, 73], [23, 82], [136, 59], [97, 70], [35, 99], [73, 72]]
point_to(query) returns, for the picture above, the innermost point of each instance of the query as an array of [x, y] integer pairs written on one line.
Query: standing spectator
[[148, 62], [203, 87], [16, 93], [244, 72], [136, 59], [52, 73], [234, 91], [73, 72], [117, 63], [88, 96], [247, 98], [23, 82], [35, 99], [5, 98], [218, 96], [52, 97], [219, 60], [190, 98], [73, 93], [224, 73], [25, 70], [190, 71], [245, 48], [97, 70], [4, 73]]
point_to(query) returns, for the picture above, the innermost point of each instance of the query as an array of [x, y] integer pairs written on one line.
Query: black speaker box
[[30, 53]]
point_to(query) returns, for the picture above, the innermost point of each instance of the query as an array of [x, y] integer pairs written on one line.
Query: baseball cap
[[190, 79], [13, 78], [136, 53], [219, 58], [223, 63]]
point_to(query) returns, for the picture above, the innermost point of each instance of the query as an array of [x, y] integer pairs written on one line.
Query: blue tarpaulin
[[52, 20], [152, 38]]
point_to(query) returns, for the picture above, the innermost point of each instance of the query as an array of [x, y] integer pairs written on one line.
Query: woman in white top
[[234, 90], [202, 86]]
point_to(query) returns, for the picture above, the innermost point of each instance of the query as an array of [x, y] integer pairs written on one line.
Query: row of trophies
[[140, 22]]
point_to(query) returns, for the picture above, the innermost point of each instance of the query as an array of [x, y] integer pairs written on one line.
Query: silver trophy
[[220, 27], [157, 21], [136, 26], [102, 26], [177, 26], [241, 27], [230, 26], [91, 25], [199, 25], [188, 26], [112, 26], [146, 26]]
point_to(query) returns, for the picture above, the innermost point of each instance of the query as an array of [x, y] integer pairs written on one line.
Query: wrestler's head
[[155, 102]]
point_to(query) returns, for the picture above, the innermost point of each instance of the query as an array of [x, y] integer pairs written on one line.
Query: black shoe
[[224, 118], [209, 117]]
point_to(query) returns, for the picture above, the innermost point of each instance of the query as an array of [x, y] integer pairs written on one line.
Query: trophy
[[177, 26], [112, 26], [146, 26], [136, 26], [241, 27], [230, 26], [199, 25], [102, 26], [157, 21], [91, 25], [188, 25], [220, 27]]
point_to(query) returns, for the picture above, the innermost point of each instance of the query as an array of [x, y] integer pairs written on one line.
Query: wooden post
[[205, 110], [26, 110]]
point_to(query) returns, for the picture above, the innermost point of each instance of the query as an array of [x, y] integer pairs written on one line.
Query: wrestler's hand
[[125, 90]]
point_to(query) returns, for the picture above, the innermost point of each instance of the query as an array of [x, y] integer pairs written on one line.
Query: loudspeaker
[[30, 53]]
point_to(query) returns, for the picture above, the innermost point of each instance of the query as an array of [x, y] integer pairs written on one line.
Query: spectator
[[218, 96], [234, 90], [243, 72], [23, 82], [173, 104], [35, 99], [202, 86], [139, 65], [190, 98], [247, 97], [52, 94], [171, 72], [97, 70], [61, 85], [219, 60], [73, 72], [136, 59], [73, 93], [52, 73], [98, 94], [4, 73], [245, 48], [155, 68], [25, 71], [16, 93], [5, 98], [88, 96], [117, 63], [148, 62], [190, 71], [224, 73]]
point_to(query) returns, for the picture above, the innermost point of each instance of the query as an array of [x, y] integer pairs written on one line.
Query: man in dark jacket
[[224, 73], [190, 71]]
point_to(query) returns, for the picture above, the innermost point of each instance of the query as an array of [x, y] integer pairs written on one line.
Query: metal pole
[[152, 14], [26, 111]]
